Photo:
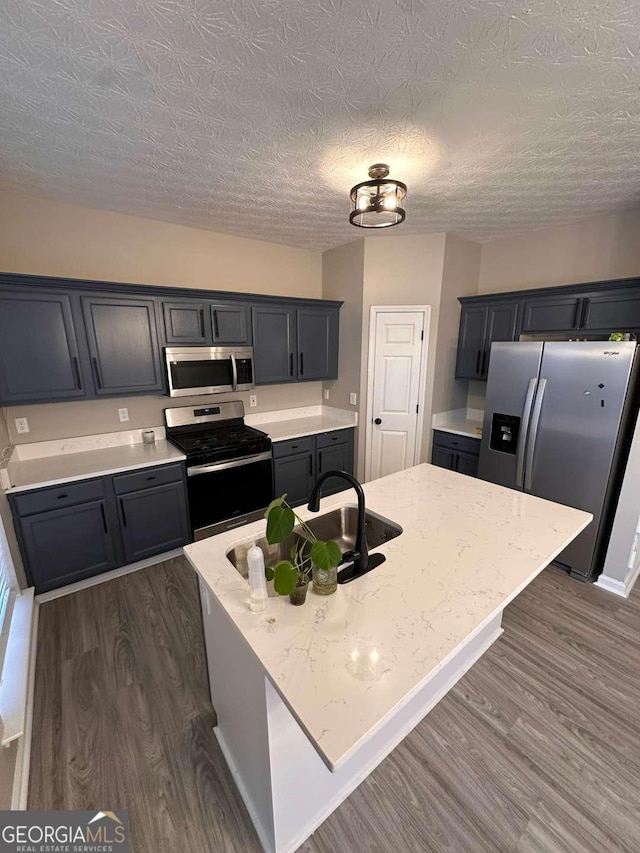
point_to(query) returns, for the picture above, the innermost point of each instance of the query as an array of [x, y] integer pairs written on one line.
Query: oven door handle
[[234, 371], [224, 466]]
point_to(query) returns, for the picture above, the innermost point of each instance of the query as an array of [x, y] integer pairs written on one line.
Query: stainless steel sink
[[341, 525]]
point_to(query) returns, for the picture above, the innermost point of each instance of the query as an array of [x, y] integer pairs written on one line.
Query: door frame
[[422, 381]]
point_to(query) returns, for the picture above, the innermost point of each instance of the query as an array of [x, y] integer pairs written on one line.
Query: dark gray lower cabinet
[[68, 544], [80, 529], [298, 462], [153, 520], [455, 452]]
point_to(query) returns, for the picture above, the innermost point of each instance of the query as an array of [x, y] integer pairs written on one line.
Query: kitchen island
[[310, 699]]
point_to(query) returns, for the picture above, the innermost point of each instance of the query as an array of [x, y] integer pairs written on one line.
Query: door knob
[[378, 421]]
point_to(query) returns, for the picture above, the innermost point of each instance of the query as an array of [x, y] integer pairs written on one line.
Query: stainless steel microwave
[[208, 370]]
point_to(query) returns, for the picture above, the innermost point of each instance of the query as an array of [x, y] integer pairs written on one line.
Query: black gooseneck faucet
[[362, 563]]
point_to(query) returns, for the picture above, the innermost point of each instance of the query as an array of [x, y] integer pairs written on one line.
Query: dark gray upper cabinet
[[502, 325], [551, 313], [231, 324], [473, 326], [274, 343], [39, 349], [618, 311], [123, 345], [64, 545], [317, 343], [184, 322]]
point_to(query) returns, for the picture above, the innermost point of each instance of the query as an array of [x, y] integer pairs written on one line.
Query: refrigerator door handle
[[533, 434], [524, 430]]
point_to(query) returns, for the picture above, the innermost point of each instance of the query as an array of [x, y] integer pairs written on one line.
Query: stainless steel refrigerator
[[557, 424]]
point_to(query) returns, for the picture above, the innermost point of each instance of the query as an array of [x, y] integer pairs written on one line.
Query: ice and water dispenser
[[505, 430]]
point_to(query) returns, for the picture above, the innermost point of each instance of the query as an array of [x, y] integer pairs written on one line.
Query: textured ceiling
[[254, 117]]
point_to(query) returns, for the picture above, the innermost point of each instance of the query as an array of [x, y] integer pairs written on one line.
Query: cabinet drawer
[[146, 478], [450, 441], [338, 436], [293, 446], [43, 500]]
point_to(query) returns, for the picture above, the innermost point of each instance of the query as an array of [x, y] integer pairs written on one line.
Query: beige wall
[[7, 771], [343, 278], [89, 417], [460, 273], [599, 248], [402, 270], [45, 237]]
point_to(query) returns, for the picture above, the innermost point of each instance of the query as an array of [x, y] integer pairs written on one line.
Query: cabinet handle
[[152, 478], [202, 323], [96, 371], [478, 362], [301, 364], [319, 464], [310, 465], [454, 461], [76, 368], [61, 497], [585, 312], [216, 331], [294, 446], [104, 518], [122, 513], [484, 358], [290, 364]]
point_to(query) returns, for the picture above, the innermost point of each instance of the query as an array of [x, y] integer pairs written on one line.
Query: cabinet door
[[471, 341], [294, 476], [65, 545], [274, 344], [467, 463], [617, 311], [443, 457], [338, 457], [184, 322], [39, 359], [231, 324], [123, 345], [153, 520], [502, 324], [551, 313], [317, 343]]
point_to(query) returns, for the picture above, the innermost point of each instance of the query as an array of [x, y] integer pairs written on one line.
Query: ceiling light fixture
[[377, 203]]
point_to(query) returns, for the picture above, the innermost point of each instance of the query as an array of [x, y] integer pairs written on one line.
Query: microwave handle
[[234, 371]]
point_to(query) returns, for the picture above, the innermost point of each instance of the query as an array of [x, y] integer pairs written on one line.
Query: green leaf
[[285, 578], [325, 555], [279, 524], [275, 502], [269, 574]]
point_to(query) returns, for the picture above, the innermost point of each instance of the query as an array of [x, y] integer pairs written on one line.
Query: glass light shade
[[378, 203]]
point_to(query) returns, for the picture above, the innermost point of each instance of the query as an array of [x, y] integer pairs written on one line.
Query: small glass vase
[[325, 581], [299, 595]]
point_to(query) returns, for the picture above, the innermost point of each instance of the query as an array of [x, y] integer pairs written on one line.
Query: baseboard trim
[[23, 756], [107, 576], [622, 588]]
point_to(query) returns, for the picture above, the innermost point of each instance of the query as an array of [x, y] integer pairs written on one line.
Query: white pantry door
[[397, 370]]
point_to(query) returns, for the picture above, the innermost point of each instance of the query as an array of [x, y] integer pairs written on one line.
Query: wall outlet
[[253, 400], [353, 398], [21, 425], [5, 481], [123, 414], [326, 393]]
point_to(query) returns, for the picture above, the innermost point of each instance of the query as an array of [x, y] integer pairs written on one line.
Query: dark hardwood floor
[[536, 750]]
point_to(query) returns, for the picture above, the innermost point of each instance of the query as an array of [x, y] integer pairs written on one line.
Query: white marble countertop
[[296, 423], [346, 663], [462, 426], [51, 470]]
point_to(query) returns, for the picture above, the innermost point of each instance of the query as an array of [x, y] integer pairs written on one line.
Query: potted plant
[[308, 555]]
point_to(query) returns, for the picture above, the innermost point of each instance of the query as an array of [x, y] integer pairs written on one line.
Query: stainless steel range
[[229, 465]]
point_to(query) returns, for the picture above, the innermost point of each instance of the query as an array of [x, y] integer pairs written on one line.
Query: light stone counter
[[344, 662], [467, 422], [63, 468], [296, 423]]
